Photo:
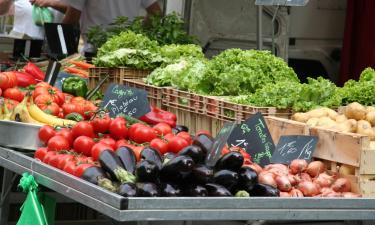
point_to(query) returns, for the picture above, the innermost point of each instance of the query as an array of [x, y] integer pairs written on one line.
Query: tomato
[[49, 156], [73, 108], [169, 137], [143, 134], [78, 100], [225, 150], [65, 132], [68, 97], [108, 141], [61, 114], [83, 128], [56, 95], [121, 142], [64, 159], [1, 92], [185, 135], [84, 159], [45, 103], [7, 80], [45, 133], [58, 143], [118, 129], [101, 123], [14, 93], [97, 149], [176, 144], [40, 153], [89, 109], [83, 144], [203, 132], [42, 84], [10, 103], [80, 169], [162, 129], [135, 126], [55, 160], [70, 167], [159, 145]]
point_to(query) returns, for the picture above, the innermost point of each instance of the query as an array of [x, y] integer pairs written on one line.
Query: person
[[99, 12], [22, 11]]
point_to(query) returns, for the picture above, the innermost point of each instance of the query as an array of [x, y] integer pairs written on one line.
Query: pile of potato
[[356, 118]]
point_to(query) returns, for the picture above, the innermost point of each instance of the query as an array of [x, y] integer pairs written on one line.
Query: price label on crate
[[294, 147], [253, 136], [120, 99]]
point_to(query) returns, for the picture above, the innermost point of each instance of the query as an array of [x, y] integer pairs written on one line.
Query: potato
[[317, 113], [341, 118], [364, 128], [343, 127], [370, 117], [353, 125], [355, 111], [326, 122], [301, 117], [372, 145], [370, 109], [331, 113], [312, 122]]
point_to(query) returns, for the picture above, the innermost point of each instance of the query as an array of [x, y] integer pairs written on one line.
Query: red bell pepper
[[157, 115], [24, 79], [34, 70]]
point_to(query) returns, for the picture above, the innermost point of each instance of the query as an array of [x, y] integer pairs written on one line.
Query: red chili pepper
[[157, 115], [34, 70]]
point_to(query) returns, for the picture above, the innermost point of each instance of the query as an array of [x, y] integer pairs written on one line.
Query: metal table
[[184, 208]]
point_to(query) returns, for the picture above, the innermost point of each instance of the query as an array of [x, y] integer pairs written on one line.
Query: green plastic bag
[[41, 15]]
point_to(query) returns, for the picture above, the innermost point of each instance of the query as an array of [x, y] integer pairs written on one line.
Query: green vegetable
[[75, 86], [172, 53], [74, 116], [41, 15], [97, 96]]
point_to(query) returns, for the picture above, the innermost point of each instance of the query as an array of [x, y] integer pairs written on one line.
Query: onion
[[308, 188], [284, 194], [278, 172], [326, 190], [298, 166], [324, 180], [341, 185], [349, 195], [283, 183], [296, 193], [332, 194], [258, 169], [315, 168], [267, 178], [304, 177], [281, 167], [292, 179]]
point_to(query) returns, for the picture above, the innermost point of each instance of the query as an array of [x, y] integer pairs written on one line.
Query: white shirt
[[23, 23]]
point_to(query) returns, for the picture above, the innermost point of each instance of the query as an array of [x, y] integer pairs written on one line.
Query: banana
[[1, 113], [21, 114], [42, 117], [7, 113]]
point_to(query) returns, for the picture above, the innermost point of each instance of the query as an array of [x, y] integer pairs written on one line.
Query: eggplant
[[217, 190], [247, 178], [264, 190], [195, 152], [147, 171], [230, 161], [170, 190], [127, 190], [204, 141], [180, 128], [111, 163], [127, 158], [97, 175], [177, 168], [202, 174], [152, 155], [147, 190], [227, 178], [196, 191]]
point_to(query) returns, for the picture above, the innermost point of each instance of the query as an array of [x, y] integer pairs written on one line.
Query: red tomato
[[118, 129], [101, 123], [70, 167], [58, 143], [121, 142], [143, 134], [203, 132], [56, 95], [42, 84], [69, 108], [64, 160], [40, 153], [45, 133], [55, 160], [169, 137], [80, 169], [176, 144], [135, 126], [98, 148], [159, 145], [45, 103], [10, 103], [162, 129], [65, 132], [109, 141], [78, 100], [83, 128], [14, 93], [1, 92], [49, 156], [185, 135], [89, 109], [7, 80], [83, 144]]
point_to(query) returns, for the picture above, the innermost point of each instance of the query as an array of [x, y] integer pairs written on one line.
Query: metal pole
[[259, 27]]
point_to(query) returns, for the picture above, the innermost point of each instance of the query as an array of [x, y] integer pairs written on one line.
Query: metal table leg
[[8, 179]]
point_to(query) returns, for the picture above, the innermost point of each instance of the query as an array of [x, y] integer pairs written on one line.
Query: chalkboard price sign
[[120, 99], [294, 147], [253, 136]]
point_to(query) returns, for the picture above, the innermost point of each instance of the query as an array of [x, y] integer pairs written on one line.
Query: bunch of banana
[[5, 113], [21, 114]]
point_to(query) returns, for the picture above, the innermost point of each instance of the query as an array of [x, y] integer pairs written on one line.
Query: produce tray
[[185, 208], [19, 135], [154, 93]]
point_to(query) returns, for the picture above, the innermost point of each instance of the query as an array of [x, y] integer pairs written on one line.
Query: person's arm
[[55, 4], [153, 9], [72, 16], [5, 5]]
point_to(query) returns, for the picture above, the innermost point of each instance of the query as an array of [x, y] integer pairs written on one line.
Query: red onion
[[281, 167], [308, 188], [315, 168], [267, 178], [277, 171], [324, 180], [296, 193], [349, 195], [283, 183], [341, 185], [298, 166], [292, 179], [304, 177], [284, 194]]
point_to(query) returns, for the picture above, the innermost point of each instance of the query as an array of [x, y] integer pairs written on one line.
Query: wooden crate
[[154, 93], [185, 101]]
